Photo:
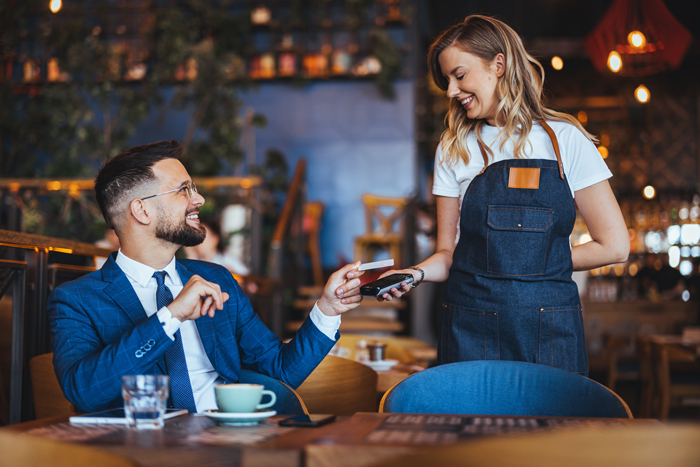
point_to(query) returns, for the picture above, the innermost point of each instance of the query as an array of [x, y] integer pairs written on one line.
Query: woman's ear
[[499, 64], [137, 209]]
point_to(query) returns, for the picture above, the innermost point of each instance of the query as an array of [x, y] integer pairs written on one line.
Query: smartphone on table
[[307, 420], [385, 284]]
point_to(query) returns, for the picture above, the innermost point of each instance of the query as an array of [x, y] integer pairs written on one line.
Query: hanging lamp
[[645, 35]]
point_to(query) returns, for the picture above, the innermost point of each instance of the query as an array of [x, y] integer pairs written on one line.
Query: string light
[[55, 5], [582, 117], [649, 192], [614, 61], [642, 94], [636, 39], [557, 63]]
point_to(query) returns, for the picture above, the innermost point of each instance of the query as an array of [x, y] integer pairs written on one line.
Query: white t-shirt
[[583, 164]]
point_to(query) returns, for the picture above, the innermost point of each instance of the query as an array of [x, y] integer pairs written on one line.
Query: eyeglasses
[[189, 188]]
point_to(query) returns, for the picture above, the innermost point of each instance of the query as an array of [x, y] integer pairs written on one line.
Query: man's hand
[[342, 291], [198, 298]]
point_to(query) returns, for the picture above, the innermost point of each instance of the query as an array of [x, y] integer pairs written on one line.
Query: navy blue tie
[[180, 387]]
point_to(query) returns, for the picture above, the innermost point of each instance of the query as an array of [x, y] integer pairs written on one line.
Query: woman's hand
[[403, 288]]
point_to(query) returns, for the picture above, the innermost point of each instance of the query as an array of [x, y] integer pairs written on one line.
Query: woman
[[509, 174]]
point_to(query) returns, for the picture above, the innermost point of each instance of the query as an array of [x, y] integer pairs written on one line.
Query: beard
[[182, 234]]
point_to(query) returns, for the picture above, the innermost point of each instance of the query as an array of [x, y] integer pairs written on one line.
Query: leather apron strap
[[484, 155], [555, 143]]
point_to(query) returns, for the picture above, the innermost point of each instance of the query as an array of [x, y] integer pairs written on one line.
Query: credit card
[[376, 264]]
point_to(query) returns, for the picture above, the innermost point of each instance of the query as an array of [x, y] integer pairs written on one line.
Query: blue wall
[[354, 142]]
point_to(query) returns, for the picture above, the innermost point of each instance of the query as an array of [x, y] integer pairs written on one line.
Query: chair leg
[[4, 404], [646, 376], [612, 370], [645, 399], [663, 382]]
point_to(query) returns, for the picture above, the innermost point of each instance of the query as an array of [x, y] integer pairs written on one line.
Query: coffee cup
[[242, 398], [377, 350]]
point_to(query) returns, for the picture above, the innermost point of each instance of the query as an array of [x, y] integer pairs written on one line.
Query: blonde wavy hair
[[518, 91]]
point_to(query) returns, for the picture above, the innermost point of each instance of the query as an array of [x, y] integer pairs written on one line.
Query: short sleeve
[[444, 179], [586, 166]]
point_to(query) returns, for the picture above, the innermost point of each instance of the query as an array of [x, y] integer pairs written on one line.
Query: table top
[[362, 439], [605, 446], [690, 347]]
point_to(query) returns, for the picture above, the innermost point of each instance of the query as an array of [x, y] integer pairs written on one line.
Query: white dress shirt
[[203, 376]]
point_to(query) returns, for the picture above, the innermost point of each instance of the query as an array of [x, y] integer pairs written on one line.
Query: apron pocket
[[517, 240], [562, 343], [469, 334]]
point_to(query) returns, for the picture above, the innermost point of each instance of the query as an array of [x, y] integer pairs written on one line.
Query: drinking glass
[[145, 399]]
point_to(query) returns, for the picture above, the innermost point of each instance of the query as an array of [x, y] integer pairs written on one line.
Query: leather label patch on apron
[[524, 177]]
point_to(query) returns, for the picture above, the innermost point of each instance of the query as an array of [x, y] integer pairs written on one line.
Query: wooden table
[[360, 440], [638, 446]]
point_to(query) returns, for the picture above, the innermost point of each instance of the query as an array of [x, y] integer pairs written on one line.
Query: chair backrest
[[495, 387], [383, 212], [288, 401], [22, 449], [340, 386], [49, 400]]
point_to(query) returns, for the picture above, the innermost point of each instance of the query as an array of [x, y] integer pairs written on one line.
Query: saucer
[[240, 419], [380, 365]]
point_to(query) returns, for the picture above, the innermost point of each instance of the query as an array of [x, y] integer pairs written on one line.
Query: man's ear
[[138, 210], [499, 64]]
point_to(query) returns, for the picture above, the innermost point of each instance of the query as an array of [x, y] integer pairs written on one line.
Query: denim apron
[[510, 295]]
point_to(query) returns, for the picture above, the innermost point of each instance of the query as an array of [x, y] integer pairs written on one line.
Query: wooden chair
[[622, 365], [381, 215], [674, 386], [22, 449], [340, 386], [313, 213], [49, 400]]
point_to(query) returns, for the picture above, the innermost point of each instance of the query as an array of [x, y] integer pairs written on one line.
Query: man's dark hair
[[127, 171]]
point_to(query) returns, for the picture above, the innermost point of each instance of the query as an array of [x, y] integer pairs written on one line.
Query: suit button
[[146, 347], [139, 353], [151, 342]]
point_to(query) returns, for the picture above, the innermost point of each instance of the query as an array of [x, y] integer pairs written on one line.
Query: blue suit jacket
[[101, 333]]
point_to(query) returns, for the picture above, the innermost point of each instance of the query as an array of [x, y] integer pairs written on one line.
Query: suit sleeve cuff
[[328, 325], [170, 325]]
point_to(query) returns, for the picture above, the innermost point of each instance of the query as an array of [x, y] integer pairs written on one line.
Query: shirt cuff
[[328, 325], [170, 325]]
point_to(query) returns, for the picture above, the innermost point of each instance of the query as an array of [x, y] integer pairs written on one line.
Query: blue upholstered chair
[[495, 387], [288, 401]]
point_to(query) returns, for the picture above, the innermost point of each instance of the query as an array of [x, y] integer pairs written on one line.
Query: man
[[145, 312]]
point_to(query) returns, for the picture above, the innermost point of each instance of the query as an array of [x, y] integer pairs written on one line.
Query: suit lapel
[[121, 291], [205, 324]]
